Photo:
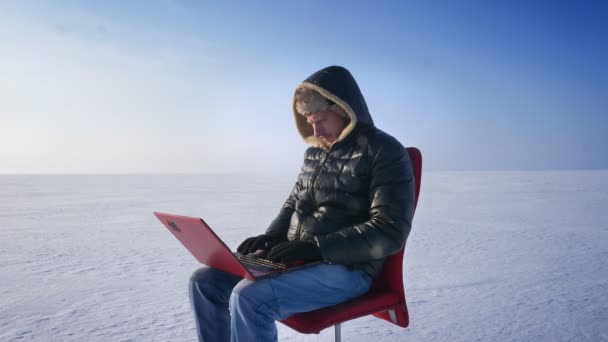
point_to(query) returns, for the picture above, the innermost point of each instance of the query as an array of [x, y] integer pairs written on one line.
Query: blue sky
[[206, 86]]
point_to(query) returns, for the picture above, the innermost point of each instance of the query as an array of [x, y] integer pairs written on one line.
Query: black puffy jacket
[[356, 199]]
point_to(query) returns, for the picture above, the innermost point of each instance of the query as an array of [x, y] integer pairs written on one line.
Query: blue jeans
[[256, 305]]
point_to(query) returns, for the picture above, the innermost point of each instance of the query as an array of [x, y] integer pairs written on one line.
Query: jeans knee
[[234, 302], [199, 276], [252, 297], [236, 299], [208, 281], [243, 306], [210, 284]]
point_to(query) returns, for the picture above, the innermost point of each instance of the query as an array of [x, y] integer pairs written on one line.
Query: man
[[351, 207]]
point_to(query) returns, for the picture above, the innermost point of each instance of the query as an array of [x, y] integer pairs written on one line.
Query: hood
[[336, 84]]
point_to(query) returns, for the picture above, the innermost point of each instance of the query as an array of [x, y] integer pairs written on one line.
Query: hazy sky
[[206, 86]]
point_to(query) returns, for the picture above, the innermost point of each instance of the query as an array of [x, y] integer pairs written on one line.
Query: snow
[[493, 256]]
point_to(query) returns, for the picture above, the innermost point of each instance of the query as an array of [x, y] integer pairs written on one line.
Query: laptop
[[209, 249]]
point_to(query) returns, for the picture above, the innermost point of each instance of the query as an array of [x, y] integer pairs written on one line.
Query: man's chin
[[325, 142]]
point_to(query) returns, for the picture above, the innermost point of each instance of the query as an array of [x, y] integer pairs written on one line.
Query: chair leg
[[338, 332]]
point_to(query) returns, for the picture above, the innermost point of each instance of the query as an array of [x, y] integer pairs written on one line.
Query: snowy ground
[[515, 256]]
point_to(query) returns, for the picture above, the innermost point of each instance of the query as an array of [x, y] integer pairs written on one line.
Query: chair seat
[[314, 321]]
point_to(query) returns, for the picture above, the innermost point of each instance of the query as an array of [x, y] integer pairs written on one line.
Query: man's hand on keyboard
[[264, 241], [290, 251]]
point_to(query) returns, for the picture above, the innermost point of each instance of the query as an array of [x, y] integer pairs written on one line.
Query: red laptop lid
[[203, 243]]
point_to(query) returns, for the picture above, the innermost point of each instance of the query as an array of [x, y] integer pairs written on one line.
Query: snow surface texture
[[516, 256]]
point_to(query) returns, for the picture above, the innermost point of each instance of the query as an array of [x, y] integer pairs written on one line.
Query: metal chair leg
[[338, 333]]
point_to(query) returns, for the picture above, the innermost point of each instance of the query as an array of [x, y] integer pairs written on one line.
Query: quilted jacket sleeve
[[392, 204], [280, 225]]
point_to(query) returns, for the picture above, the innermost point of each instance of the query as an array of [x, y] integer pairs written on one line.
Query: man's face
[[327, 125]]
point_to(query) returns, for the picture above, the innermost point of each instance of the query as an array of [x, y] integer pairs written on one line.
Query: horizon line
[[269, 172]]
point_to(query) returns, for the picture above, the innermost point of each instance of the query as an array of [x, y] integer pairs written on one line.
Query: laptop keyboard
[[259, 264]]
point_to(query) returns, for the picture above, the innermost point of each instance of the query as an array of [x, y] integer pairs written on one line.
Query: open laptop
[[210, 250]]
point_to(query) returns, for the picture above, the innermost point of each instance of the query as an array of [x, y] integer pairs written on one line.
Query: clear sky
[[206, 86]]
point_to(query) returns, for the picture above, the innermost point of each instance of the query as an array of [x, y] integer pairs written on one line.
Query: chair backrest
[[391, 277]]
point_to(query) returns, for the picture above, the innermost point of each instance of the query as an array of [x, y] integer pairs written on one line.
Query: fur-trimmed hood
[[336, 84]]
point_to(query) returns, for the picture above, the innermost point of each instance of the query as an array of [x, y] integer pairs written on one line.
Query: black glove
[[263, 241], [297, 250]]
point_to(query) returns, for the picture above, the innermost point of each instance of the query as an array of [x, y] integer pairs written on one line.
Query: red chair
[[385, 299]]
